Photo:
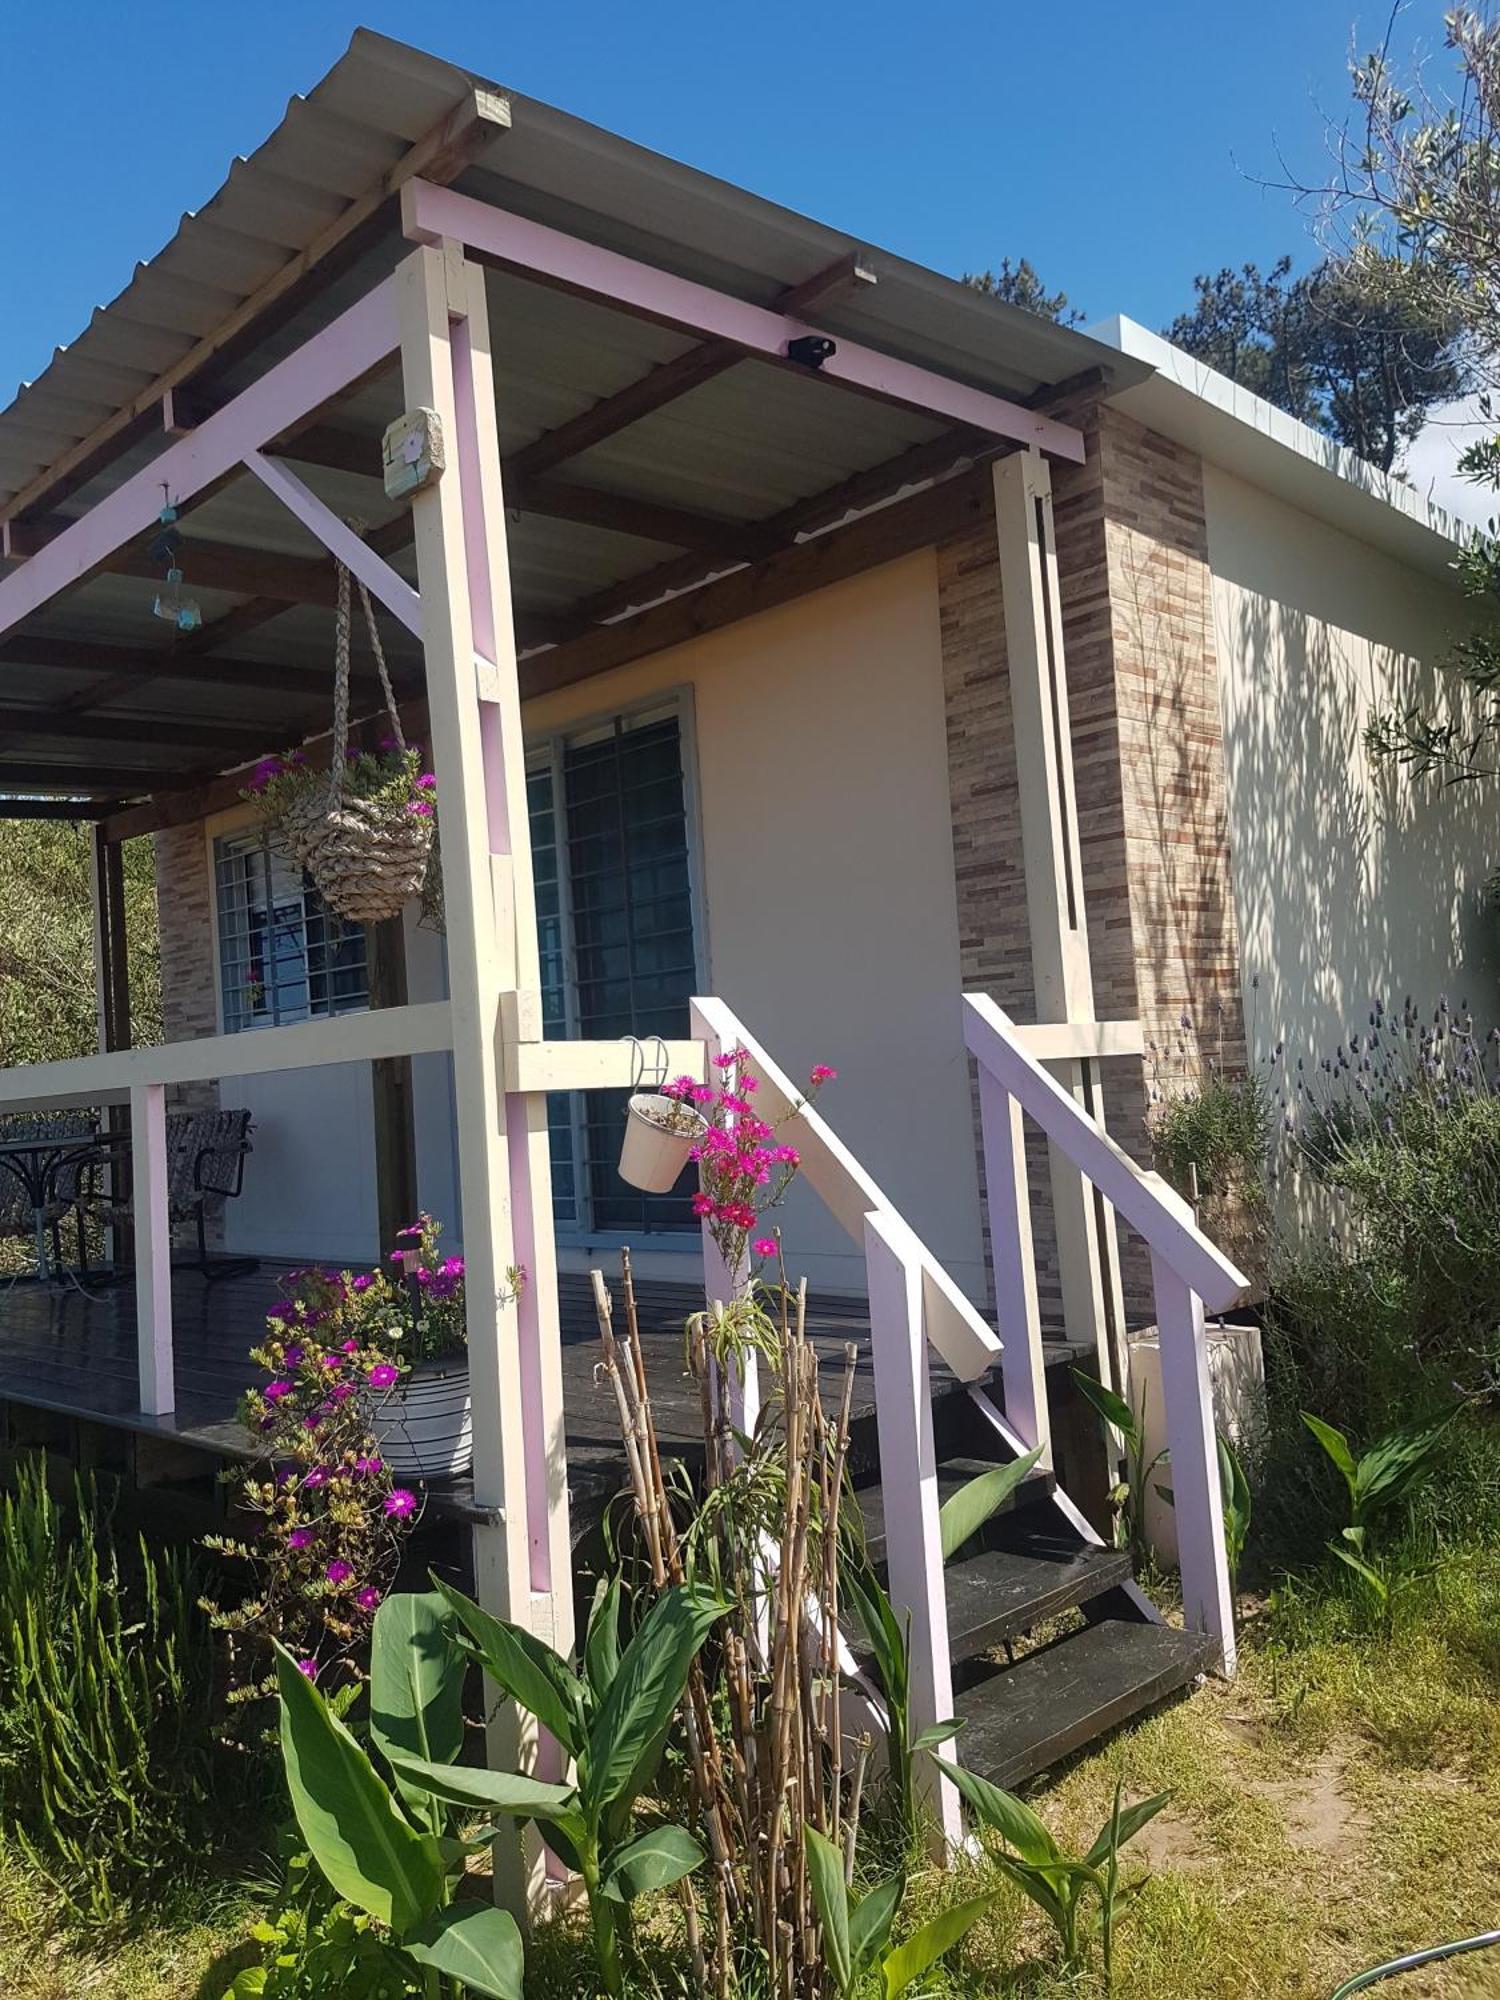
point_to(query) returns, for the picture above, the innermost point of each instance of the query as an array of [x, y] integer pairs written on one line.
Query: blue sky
[[1114, 142]]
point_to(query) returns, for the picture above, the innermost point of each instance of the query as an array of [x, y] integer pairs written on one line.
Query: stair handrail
[[914, 1305], [1151, 1205], [1187, 1270], [955, 1327]]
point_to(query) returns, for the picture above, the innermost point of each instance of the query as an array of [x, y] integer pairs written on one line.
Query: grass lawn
[[1337, 1804]]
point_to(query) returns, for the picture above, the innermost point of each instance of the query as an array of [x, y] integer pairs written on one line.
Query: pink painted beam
[[393, 591], [431, 213], [346, 349]]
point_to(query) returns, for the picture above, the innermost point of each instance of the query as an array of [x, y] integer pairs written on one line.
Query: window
[[618, 951], [282, 957]]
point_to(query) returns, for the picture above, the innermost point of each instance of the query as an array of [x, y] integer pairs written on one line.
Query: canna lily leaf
[[474, 1943], [470, 1785], [526, 1669], [601, 1649], [825, 1874], [1115, 1832], [416, 1685], [1336, 1445], [965, 1512], [629, 1728], [658, 1858], [371, 1855], [1112, 1408], [870, 1923], [922, 1950], [1014, 1822], [940, 1732]]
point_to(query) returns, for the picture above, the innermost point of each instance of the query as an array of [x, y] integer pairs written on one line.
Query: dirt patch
[[1312, 1808], [1318, 1815]]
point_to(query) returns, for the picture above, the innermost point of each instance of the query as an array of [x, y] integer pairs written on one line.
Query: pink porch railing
[[1187, 1273]]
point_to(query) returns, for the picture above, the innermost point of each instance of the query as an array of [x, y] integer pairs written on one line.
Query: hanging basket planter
[[364, 833], [660, 1134], [425, 1425]]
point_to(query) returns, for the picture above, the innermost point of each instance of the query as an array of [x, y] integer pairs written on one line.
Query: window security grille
[[615, 920], [282, 957]]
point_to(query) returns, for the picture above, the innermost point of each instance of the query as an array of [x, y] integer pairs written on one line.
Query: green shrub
[[106, 1702], [1397, 1312], [1210, 1137]]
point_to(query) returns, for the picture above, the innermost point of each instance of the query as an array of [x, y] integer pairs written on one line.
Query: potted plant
[[364, 828], [424, 1420], [662, 1128]]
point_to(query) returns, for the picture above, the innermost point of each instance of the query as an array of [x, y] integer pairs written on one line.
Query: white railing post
[[909, 1490], [1008, 1199], [153, 1248], [1207, 1600], [720, 1284]]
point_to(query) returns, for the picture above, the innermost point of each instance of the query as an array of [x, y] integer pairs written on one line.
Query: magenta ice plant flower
[[400, 1502], [308, 1667], [339, 1572], [383, 1374]]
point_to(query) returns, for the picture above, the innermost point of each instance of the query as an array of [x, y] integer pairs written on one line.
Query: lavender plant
[[1402, 1125]]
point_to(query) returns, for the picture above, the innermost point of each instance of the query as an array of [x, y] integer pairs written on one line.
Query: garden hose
[[1410, 1963]]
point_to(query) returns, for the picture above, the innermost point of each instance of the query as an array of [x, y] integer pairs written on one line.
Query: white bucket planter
[[425, 1424], [660, 1132]]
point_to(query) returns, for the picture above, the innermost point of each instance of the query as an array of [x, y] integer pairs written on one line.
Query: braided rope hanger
[[341, 658]]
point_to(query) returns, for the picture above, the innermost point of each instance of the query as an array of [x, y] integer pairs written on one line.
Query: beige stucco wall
[[826, 851], [1349, 883]]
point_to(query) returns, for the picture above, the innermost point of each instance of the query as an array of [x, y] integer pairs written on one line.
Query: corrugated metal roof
[[742, 446], [337, 142]]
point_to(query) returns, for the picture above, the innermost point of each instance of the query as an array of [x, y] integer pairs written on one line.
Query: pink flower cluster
[[743, 1167]]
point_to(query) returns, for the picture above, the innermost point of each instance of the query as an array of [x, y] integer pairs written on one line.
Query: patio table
[[35, 1162]]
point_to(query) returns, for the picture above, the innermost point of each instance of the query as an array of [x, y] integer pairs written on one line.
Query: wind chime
[[182, 613]]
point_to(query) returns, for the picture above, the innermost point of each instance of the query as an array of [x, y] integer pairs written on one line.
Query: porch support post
[[1088, 1255], [459, 528], [909, 1491], [153, 1248], [111, 996], [1198, 1500]]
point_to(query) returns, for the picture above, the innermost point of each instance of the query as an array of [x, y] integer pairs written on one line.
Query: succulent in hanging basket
[[364, 828], [366, 841]]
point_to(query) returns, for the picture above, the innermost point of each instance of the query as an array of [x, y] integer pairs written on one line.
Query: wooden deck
[[75, 1354]]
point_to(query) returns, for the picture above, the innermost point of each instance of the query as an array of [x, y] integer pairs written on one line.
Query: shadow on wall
[[1351, 882]]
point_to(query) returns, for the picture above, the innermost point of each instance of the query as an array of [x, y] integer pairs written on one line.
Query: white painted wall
[[1349, 884], [830, 926], [310, 1181], [827, 864]]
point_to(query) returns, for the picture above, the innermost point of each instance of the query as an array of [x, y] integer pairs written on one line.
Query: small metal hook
[[659, 1064]]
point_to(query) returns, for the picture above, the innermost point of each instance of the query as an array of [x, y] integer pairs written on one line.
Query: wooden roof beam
[[668, 381], [234, 739], [105, 779], [95, 806], [208, 565], [647, 291], [439, 156], [921, 463], [171, 663]]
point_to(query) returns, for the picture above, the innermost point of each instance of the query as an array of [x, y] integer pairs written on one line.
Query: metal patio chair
[[42, 1162], [205, 1170]]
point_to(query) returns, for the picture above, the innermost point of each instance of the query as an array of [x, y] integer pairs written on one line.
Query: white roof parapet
[[1228, 425]]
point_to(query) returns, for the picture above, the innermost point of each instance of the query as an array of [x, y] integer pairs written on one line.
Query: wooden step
[[999, 1593], [953, 1474], [1032, 1715]]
